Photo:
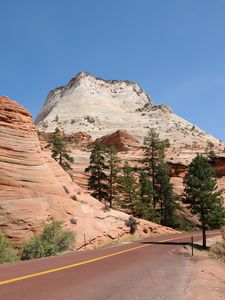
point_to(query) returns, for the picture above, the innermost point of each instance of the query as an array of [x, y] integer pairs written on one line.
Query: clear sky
[[175, 49]]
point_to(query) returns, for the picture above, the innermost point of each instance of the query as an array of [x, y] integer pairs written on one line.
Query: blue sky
[[175, 49]]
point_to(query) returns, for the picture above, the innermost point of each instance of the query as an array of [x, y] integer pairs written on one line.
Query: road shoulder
[[206, 279]]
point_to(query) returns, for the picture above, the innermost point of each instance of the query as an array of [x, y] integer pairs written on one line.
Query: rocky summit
[[100, 107]]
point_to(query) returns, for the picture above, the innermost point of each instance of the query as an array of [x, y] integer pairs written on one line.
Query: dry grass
[[218, 249], [223, 233]]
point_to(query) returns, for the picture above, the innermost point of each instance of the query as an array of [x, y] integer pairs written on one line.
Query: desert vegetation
[[202, 196], [52, 241], [218, 249], [146, 192], [59, 150], [7, 251]]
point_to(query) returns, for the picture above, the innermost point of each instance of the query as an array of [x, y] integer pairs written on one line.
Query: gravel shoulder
[[206, 277]]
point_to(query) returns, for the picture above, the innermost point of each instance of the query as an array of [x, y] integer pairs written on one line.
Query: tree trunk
[[99, 185], [161, 211], [110, 190], [203, 236]]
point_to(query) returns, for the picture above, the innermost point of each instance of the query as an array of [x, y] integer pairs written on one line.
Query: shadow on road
[[167, 243]]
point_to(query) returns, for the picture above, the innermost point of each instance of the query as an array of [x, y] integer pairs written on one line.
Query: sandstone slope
[[34, 188], [130, 150]]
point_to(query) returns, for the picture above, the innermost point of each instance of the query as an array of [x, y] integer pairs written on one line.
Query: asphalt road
[[147, 269]]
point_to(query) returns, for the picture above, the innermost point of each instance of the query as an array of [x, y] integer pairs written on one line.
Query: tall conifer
[[97, 181], [112, 162], [59, 150], [154, 154], [144, 206], [128, 188], [166, 198], [202, 196]]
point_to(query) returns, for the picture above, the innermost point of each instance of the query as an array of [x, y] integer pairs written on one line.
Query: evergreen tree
[[154, 154], [128, 188], [210, 151], [165, 196], [112, 161], [202, 196], [59, 150], [97, 181], [144, 207]]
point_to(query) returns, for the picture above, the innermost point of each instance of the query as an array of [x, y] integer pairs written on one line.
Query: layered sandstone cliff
[[34, 188]]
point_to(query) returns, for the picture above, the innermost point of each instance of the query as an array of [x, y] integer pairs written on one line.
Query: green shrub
[[53, 240], [73, 221], [34, 248], [219, 250], [132, 223], [7, 252], [184, 224]]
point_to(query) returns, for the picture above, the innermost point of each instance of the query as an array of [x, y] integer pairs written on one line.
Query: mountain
[[120, 113], [100, 107], [34, 188]]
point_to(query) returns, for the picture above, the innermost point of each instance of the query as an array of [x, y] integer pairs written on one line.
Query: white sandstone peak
[[99, 107]]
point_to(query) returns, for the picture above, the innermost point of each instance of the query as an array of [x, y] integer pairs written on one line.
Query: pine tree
[[154, 154], [144, 206], [128, 188], [202, 196], [165, 196], [112, 161], [59, 150], [97, 181]]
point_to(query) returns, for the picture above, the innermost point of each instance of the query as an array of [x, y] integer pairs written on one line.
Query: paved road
[[148, 269]]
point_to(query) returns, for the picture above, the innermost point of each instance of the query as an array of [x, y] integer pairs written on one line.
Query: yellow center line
[[86, 261]]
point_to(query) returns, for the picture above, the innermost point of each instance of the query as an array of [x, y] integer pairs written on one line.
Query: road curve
[[147, 269]]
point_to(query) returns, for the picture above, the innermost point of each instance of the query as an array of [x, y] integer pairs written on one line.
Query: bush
[[73, 221], [132, 223], [223, 233], [66, 189], [105, 208], [219, 250], [53, 240], [184, 224], [7, 252]]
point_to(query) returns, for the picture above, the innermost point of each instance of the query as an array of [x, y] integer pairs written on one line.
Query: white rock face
[[100, 107]]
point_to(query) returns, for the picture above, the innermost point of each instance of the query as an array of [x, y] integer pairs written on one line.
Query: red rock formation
[[120, 139], [177, 170], [80, 137], [35, 188], [14, 116], [219, 166], [30, 194]]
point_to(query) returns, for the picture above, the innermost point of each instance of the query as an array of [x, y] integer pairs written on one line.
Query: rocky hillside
[[100, 107], [131, 150], [35, 188]]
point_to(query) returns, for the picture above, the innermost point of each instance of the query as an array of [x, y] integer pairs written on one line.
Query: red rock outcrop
[[35, 188], [120, 139], [80, 138], [218, 164]]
